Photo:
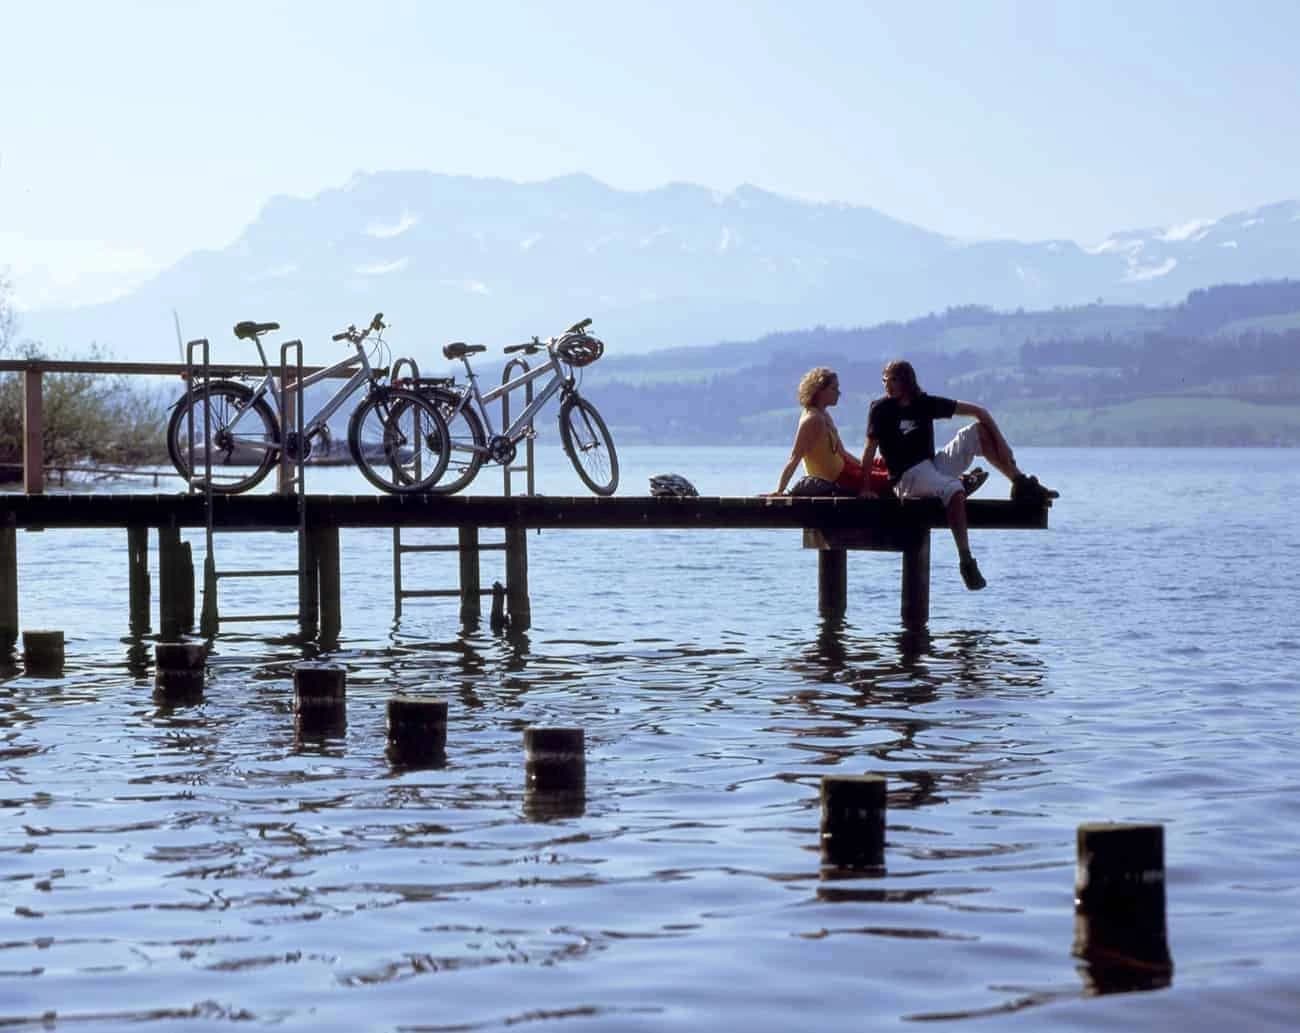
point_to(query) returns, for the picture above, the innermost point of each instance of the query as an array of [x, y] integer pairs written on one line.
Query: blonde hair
[[812, 382]]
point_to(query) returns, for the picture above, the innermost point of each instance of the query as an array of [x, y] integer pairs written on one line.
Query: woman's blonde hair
[[812, 382]]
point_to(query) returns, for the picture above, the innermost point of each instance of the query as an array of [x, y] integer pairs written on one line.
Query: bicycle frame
[[277, 392], [518, 428]]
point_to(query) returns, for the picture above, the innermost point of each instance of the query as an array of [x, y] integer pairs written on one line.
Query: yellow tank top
[[825, 459]]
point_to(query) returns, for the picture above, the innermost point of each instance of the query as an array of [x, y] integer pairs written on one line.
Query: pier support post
[[916, 581], [470, 605], [138, 588], [209, 618], [8, 587], [328, 571], [33, 434], [832, 582], [309, 582], [171, 605], [185, 564], [521, 614]]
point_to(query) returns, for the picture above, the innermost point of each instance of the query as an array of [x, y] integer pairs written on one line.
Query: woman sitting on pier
[[817, 441]]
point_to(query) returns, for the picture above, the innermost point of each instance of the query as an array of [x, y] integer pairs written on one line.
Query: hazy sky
[[134, 132]]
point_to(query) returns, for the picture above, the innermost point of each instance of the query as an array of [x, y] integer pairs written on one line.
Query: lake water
[[187, 868]]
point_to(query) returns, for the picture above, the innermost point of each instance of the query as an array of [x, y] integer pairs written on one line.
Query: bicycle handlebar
[[356, 336], [579, 326], [528, 346]]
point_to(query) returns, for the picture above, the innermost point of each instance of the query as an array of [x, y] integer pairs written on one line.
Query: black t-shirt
[[905, 433]]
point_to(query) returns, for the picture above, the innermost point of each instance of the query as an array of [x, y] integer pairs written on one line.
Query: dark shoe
[[1027, 489], [970, 573], [973, 479]]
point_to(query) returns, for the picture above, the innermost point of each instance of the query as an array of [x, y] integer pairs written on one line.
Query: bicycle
[[396, 436], [473, 440]]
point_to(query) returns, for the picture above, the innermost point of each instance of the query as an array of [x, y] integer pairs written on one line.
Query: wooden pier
[[831, 526]]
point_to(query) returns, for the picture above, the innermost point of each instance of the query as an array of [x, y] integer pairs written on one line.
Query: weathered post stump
[[319, 699], [417, 731], [498, 621], [556, 773], [853, 821], [1119, 906], [43, 653], [179, 671]]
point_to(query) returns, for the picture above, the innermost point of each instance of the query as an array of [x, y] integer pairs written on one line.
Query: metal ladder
[[467, 544], [291, 479]]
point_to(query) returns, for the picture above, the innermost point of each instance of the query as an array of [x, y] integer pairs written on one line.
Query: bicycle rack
[[527, 468], [289, 482], [467, 544]]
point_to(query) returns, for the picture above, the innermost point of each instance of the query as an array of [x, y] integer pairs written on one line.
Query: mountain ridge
[[487, 259]]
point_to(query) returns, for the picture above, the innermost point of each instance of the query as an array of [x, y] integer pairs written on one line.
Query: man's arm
[[985, 419]]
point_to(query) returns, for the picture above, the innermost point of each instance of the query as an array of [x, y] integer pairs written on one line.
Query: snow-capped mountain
[[483, 260]]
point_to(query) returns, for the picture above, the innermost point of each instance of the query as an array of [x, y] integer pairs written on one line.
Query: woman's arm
[[805, 437], [868, 457]]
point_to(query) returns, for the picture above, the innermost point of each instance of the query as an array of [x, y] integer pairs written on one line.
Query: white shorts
[[940, 477]]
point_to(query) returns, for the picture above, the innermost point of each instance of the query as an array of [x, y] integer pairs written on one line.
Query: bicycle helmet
[[579, 349]]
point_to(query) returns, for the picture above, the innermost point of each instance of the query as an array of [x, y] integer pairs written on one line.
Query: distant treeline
[[1057, 359]]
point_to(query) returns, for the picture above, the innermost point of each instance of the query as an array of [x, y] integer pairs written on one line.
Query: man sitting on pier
[[901, 426]]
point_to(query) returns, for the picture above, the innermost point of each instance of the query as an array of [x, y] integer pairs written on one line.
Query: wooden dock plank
[[91, 510]]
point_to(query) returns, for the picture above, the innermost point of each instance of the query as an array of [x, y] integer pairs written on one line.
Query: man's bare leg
[[970, 571]]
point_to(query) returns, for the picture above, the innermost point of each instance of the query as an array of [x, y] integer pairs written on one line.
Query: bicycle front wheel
[[221, 420], [588, 445], [399, 441]]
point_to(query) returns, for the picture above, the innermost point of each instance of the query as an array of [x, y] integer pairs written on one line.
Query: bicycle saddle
[[250, 329], [458, 349]]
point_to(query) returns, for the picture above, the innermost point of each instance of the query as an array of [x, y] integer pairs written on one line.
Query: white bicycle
[[473, 439]]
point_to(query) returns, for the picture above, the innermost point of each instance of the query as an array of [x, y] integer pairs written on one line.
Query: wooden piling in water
[[138, 586], [498, 621], [853, 821], [832, 582], [470, 605], [417, 731], [555, 769], [43, 653], [8, 587], [179, 671], [521, 611], [1119, 900], [555, 759], [319, 698]]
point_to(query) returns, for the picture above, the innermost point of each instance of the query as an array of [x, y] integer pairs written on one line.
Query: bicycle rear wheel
[[398, 441], [588, 445], [243, 438], [467, 443]]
